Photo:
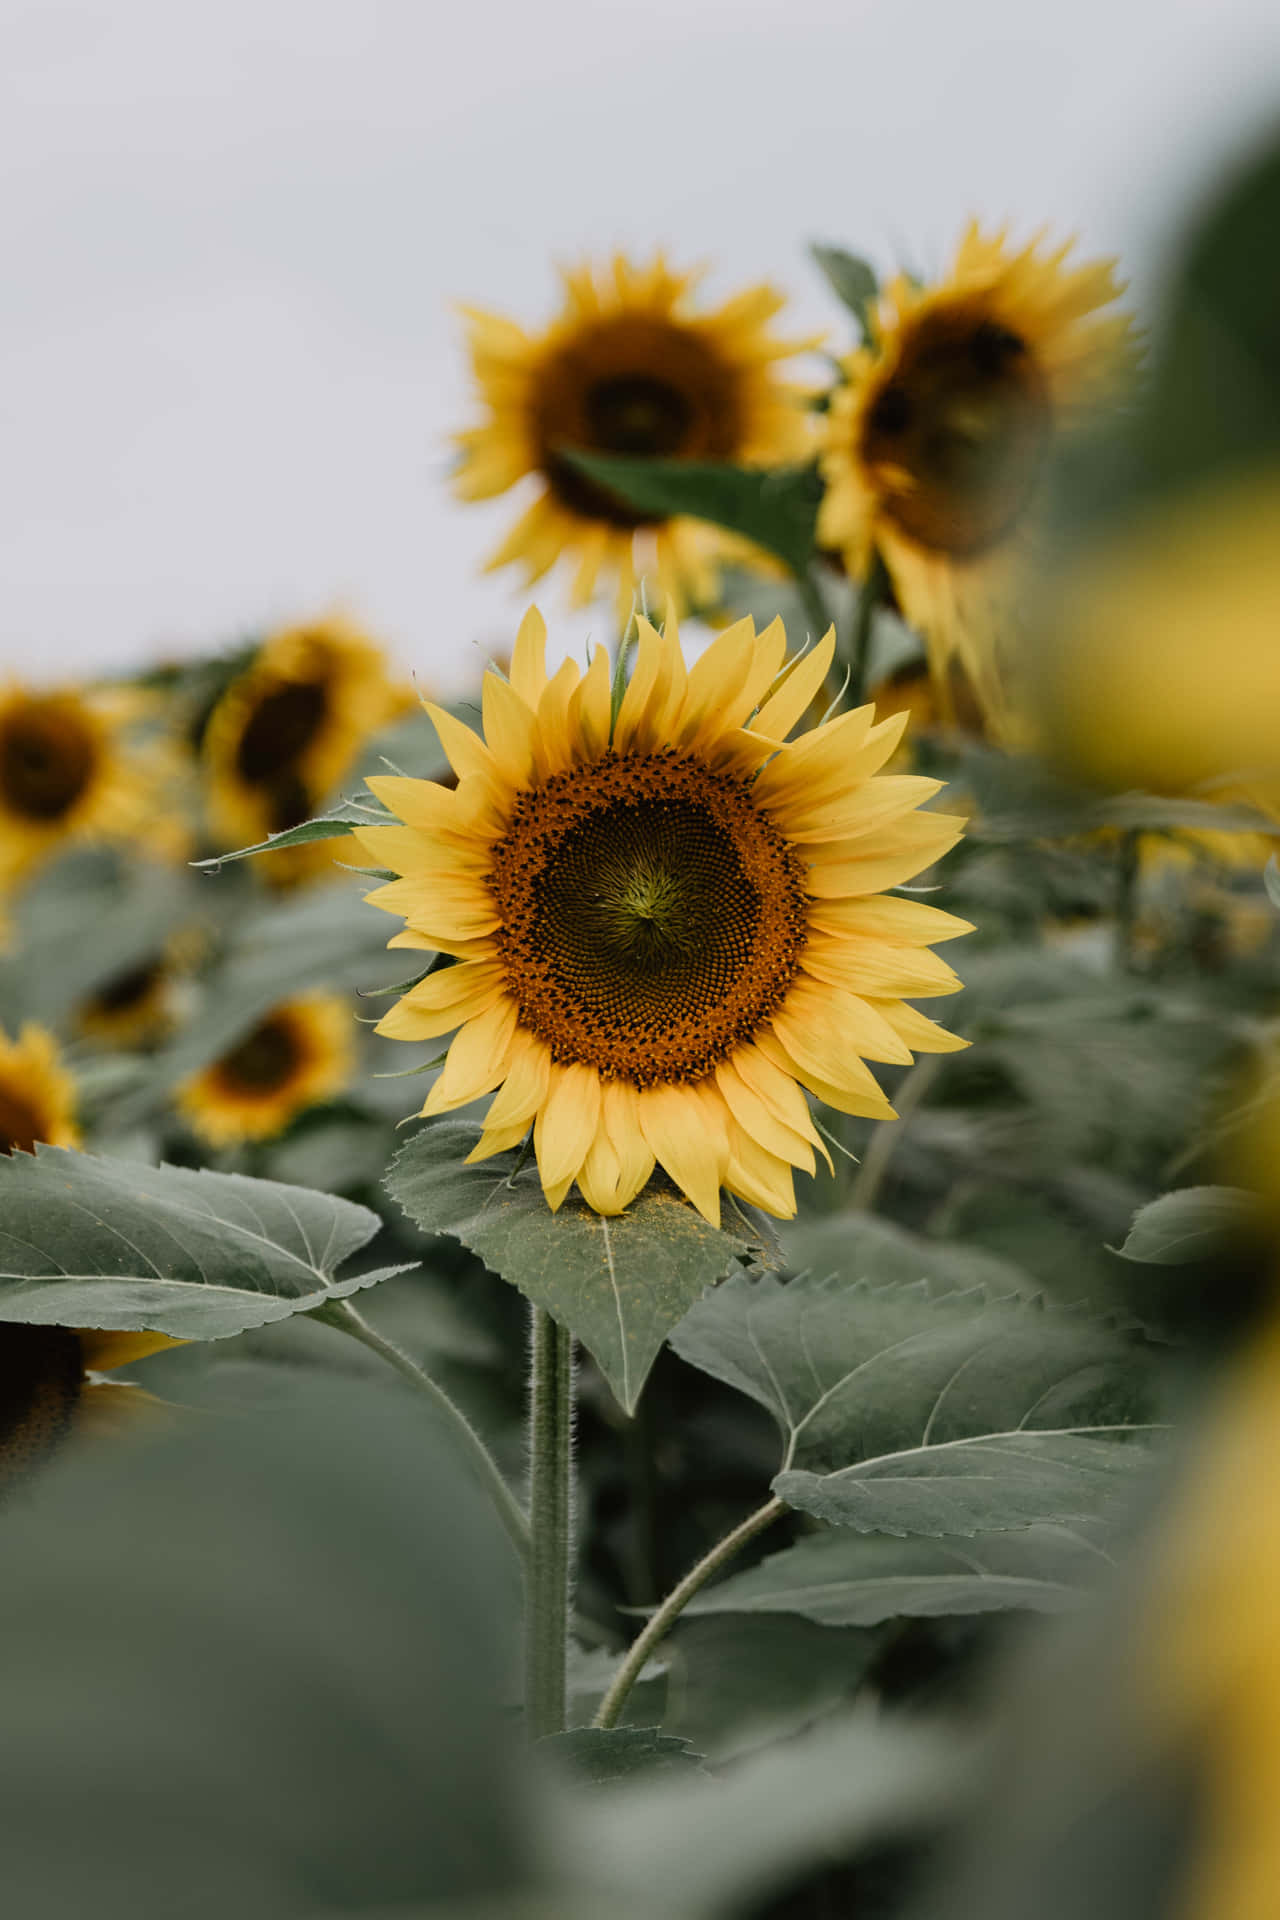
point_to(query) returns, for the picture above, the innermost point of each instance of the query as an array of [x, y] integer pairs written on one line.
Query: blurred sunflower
[[131, 1008], [300, 1053], [49, 1391], [286, 731], [937, 442], [667, 922], [83, 764], [627, 367], [37, 1094]]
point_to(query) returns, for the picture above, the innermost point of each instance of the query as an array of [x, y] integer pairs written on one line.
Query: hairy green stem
[[546, 1630], [342, 1315], [661, 1622]]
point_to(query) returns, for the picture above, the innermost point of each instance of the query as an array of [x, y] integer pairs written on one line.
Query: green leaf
[[600, 1758], [973, 1485], [283, 1635], [847, 1579], [328, 826], [109, 1243], [619, 1284], [853, 281], [1193, 1224], [1271, 880], [776, 507], [906, 1410], [864, 1246], [740, 1681]]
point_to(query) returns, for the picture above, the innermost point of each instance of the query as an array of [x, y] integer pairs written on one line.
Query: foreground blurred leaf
[[254, 1669], [1192, 1224], [109, 1243], [619, 1285], [845, 1579], [601, 1757], [908, 1411], [777, 507], [852, 280], [740, 1680]]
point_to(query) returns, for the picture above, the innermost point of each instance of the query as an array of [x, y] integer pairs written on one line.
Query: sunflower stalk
[[1126, 900], [871, 594], [661, 1622], [547, 1594], [342, 1315]]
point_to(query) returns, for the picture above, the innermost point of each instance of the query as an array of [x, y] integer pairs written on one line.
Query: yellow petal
[[917, 1030], [620, 1115], [909, 923], [822, 753], [497, 1140], [452, 1004], [566, 1122], [102, 1350], [525, 1087], [856, 1090], [906, 849], [589, 709], [881, 971], [508, 728], [855, 812], [758, 1176], [674, 1122], [600, 1174], [839, 1023], [552, 744], [753, 1117], [466, 751], [477, 1060], [785, 708], [529, 658]]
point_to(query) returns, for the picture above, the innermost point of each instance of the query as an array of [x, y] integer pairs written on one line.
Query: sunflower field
[[651, 1293]]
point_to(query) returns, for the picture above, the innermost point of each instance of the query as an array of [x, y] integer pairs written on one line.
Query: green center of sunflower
[[652, 916], [48, 756], [19, 1122], [957, 438], [264, 1061], [277, 733], [637, 386], [41, 1370]]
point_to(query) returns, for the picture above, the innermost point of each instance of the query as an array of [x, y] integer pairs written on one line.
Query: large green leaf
[[740, 1680], [619, 1284], [600, 1757], [110, 1243], [907, 1410], [776, 507], [847, 1579], [1193, 1224], [865, 1246]]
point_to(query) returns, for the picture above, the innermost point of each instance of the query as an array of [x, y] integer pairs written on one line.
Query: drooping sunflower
[[300, 1053], [50, 1391], [286, 731], [628, 366], [37, 1094], [667, 922], [936, 445], [82, 764]]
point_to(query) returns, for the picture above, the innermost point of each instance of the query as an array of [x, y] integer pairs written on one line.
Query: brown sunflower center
[[957, 438], [127, 990], [652, 916], [638, 386], [41, 1370], [20, 1126], [48, 755], [281, 727], [265, 1060]]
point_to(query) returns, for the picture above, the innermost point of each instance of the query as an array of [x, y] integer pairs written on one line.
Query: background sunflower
[[300, 1053], [628, 366], [37, 1094], [49, 1393]]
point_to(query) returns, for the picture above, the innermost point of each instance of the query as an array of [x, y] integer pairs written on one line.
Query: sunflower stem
[[551, 1523], [871, 595], [865, 1190], [1126, 900], [660, 1623], [342, 1315]]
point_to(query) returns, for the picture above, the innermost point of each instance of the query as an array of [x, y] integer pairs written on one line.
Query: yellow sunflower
[[936, 444], [628, 366], [37, 1094], [286, 731], [81, 764], [666, 923], [300, 1053], [50, 1392]]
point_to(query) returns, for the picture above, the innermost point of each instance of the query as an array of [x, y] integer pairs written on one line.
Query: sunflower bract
[[667, 929]]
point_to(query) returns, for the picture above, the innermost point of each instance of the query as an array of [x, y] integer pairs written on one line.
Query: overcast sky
[[231, 232]]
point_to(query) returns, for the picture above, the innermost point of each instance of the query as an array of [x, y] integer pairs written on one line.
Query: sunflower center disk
[[652, 916], [958, 437], [40, 1374], [264, 1061], [277, 733], [47, 759]]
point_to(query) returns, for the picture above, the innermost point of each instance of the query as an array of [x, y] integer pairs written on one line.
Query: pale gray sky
[[231, 231]]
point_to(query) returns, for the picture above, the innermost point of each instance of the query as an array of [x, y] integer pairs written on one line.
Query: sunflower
[[627, 367], [37, 1094], [49, 1390], [936, 444], [286, 731], [82, 764], [667, 922], [132, 1007], [300, 1053]]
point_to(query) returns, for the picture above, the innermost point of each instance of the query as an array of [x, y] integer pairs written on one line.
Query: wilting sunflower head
[[286, 732], [300, 1053], [936, 445], [50, 1393], [82, 765], [37, 1094], [629, 366], [667, 922]]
